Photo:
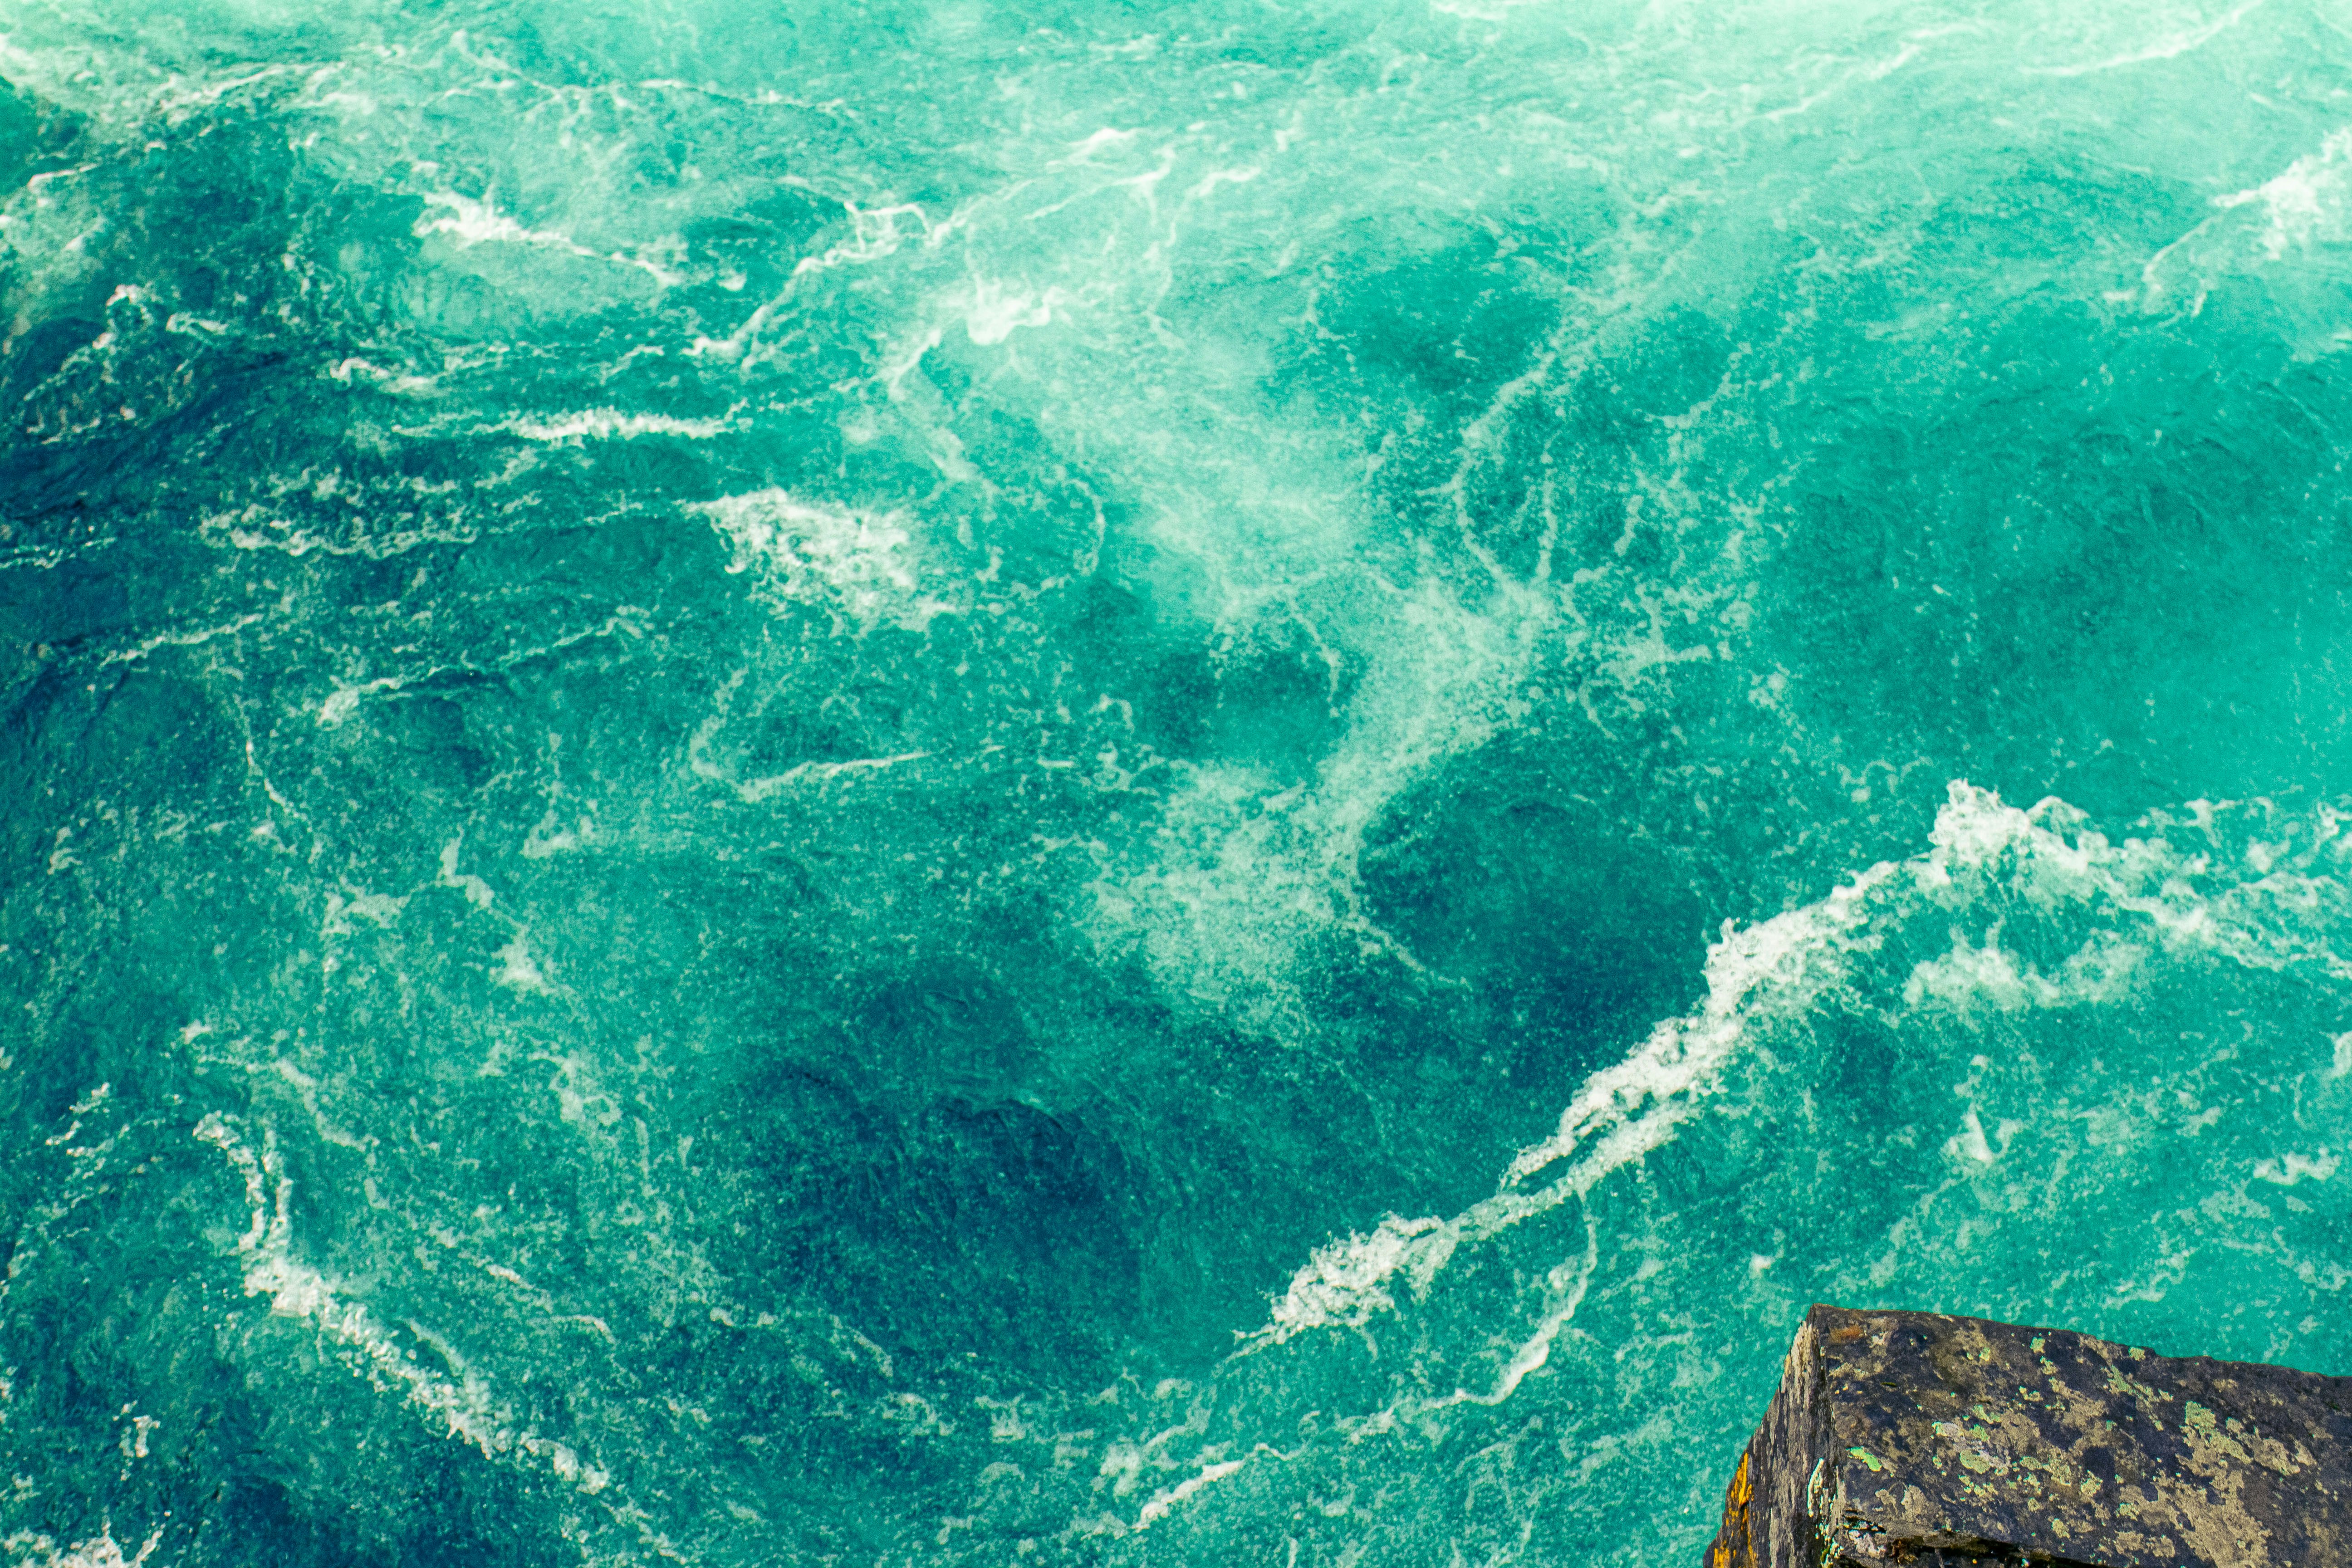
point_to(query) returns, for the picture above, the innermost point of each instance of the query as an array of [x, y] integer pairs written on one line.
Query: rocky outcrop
[[1911, 1438]]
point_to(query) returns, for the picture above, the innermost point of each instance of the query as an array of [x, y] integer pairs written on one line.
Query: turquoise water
[[1133, 783]]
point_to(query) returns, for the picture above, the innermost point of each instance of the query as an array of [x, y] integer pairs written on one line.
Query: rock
[[1906, 1437]]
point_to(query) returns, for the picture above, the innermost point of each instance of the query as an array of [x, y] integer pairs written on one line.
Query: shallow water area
[[1140, 783]]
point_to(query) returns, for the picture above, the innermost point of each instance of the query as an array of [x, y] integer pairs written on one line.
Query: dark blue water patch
[[1453, 327], [1502, 875], [941, 1225], [36, 136], [1123, 1185]]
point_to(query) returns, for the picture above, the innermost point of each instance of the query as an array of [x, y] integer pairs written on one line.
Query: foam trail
[[467, 1409], [1781, 966]]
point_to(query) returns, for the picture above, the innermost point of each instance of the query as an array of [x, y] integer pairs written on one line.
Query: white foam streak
[[611, 424], [1535, 1352], [2171, 46], [465, 1408], [1162, 1501], [1784, 964], [2302, 207], [1347, 1283], [812, 552], [470, 223], [28, 1549]]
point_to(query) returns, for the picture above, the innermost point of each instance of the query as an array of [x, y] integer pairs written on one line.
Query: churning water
[[1081, 782]]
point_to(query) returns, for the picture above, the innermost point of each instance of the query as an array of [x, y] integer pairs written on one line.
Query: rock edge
[[1932, 1441]]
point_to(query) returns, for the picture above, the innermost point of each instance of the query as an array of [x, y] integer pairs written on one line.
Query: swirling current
[[1141, 782]]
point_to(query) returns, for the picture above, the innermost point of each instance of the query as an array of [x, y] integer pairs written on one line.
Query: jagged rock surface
[[1908, 1437]]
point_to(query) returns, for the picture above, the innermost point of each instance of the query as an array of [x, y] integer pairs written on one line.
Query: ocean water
[[1080, 782]]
